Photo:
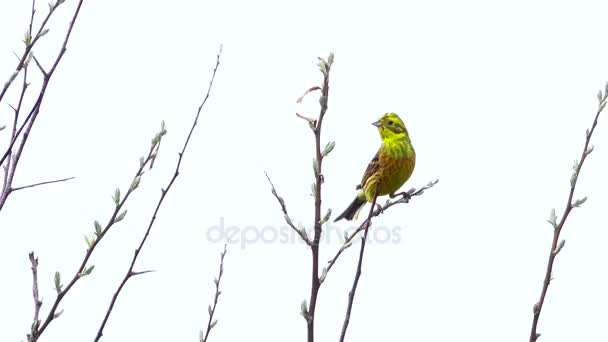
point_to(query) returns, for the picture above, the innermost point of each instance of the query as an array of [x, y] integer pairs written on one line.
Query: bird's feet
[[404, 196], [379, 209]]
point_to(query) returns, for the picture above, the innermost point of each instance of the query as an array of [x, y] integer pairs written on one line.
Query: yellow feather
[[391, 167]]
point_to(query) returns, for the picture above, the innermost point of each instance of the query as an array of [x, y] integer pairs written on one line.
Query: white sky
[[496, 96]]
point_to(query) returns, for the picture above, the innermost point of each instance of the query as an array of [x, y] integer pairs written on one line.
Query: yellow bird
[[391, 167]]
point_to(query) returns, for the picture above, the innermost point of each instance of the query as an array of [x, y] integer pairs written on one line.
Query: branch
[[351, 294], [130, 272], [41, 183], [4, 192], [315, 125], [93, 241], [301, 232], [35, 294], [376, 212], [29, 42], [211, 309], [28, 123], [557, 245]]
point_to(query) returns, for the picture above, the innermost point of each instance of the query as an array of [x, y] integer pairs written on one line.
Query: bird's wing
[[372, 167]]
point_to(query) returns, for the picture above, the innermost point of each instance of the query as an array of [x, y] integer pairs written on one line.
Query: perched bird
[[391, 167]]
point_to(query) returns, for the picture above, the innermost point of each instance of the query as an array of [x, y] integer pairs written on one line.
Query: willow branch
[[351, 294], [35, 295], [30, 42], [556, 244], [93, 241], [130, 272], [26, 127], [301, 232], [308, 312], [376, 212], [41, 183], [211, 323]]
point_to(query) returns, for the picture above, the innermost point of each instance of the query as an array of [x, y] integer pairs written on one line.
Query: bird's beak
[[377, 123]]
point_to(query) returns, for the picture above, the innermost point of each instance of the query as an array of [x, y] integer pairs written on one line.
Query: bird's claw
[[379, 209], [405, 196]]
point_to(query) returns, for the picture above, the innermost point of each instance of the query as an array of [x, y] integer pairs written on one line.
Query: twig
[[130, 273], [41, 183], [556, 245], [376, 212], [325, 67], [211, 309], [7, 166], [29, 45], [351, 294], [300, 232], [92, 242], [35, 295], [42, 71], [28, 123]]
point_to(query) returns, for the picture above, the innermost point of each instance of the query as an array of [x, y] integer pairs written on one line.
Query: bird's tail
[[353, 209]]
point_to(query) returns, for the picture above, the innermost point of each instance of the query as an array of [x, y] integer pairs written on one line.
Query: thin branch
[[41, 183], [42, 71], [142, 272], [130, 272], [35, 295], [557, 245], [351, 294], [30, 45], [325, 67], [376, 212], [92, 242], [211, 323], [7, 166], [28, 123], [288, 220]]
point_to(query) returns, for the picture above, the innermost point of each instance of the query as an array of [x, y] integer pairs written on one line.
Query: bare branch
[[324, 67], [134, 273], [6, 186], [351, 294], [288, 220], [30, 42], [41, 183], [211, 323], [44, 73], [36, 296], [556, 245], [26, 127], [92, 242], [164, 192]]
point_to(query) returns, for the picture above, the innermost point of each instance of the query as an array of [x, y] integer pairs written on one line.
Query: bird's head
[[391, 127]]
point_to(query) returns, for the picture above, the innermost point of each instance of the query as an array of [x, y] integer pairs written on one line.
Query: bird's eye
[[389, 122]]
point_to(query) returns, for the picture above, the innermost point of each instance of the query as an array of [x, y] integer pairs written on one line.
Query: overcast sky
[[496, 97]]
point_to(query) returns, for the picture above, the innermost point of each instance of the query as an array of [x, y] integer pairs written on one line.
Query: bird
[[391, 167]]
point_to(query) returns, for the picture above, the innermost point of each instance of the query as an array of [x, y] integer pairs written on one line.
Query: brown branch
[[130, 272], [211, 309], [28, 123], [7, 166], [556, 245], [35, 295], [325, 67], [29, 46], [376, 212], [117, 215], [288, 220], [351, 294], [41, 183]]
